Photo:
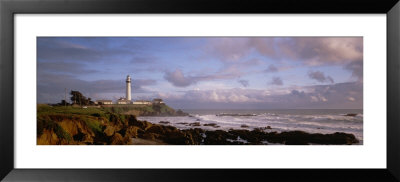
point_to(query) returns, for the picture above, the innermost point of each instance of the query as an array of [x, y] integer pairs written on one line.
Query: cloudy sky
[[206, 72]]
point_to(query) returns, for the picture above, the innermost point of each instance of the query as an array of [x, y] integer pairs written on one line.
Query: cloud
[[49, 89], [312, 50], [228, 71], [320, 77], [271, 68], [276, 81], [227, 49], [236, 95], [144, 82], [335, 96], [91, 50], [64, 68], [245, 83], [356, 68], [178, 79], [322, 50]]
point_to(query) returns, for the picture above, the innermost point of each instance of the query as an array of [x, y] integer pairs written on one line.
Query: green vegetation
[[43, 109], [48, 117], [120, 109], [59, 125], [48, 124], [92, 125], [143, 110], [79, 98]]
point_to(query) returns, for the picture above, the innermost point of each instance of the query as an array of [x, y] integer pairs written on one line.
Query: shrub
[[94, 125], [48, 124]]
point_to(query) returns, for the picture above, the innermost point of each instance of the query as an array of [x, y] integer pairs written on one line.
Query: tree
[[90, 102], [63, 103], [78, 98]]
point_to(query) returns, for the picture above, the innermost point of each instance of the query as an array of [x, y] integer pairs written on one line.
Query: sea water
[[309, 120]]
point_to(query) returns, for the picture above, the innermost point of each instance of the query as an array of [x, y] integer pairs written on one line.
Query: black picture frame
[[9, 8]]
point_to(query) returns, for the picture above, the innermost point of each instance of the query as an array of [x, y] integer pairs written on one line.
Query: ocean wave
[[317, 123]]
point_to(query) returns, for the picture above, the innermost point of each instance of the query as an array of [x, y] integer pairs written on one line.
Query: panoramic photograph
[[199, 91]]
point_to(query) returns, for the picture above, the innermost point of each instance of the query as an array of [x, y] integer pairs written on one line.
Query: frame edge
[[393, 89], [7, 90]]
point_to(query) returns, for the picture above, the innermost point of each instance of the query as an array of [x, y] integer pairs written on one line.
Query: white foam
[[312, 123]]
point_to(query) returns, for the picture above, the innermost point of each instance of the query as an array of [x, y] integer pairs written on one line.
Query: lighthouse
[[128, 88]]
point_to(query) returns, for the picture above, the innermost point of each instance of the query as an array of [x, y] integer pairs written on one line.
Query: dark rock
[[79, 136], [212, 125], [133, 132], [337, 138], [196, 136], [131, 119], [263, 128], [164, 122], [195, 124], [351, 114], [253, 137], [303, 138], [117, 139], [218, 137], [244, 126], [110, 130], [176, 137], [142, 124], [156, 129]]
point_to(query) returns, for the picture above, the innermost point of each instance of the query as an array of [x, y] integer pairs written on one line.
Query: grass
[[127, 108], [47, 117], [166, 109], [47, 123], [148, 109], [46, 109], [94, 125]]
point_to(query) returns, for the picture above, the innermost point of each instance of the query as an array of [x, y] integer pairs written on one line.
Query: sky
[[206, 72]]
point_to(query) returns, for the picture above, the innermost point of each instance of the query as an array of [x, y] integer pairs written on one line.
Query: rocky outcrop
[[48, 137], [117, 139], [114, 129]]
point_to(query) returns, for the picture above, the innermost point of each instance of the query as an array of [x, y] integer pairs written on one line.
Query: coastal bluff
[[60, 125]]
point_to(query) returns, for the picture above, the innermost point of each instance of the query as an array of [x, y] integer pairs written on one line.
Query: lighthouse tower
[[128, 88]]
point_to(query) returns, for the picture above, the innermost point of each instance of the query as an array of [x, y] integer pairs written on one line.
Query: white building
[[104, 102], [123, 101], [158, 101], [142, 102], [128, 88]]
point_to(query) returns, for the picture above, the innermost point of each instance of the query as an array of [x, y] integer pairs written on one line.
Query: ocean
[[309, 120]]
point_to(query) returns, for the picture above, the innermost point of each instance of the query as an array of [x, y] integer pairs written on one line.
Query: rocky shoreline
[[115, 129], [152, 134], [197, 136]]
